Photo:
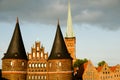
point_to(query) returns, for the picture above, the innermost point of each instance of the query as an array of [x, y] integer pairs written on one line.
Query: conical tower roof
[[59, 49], [16, 48]]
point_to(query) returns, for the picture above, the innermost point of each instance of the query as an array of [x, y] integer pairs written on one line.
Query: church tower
[[14, 62], [70, 39], [59, 61]]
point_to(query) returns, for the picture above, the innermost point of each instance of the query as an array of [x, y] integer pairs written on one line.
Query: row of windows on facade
[[91, 74], [37, 77], [108, 77], [37, 70], [59, 64], [38, 55], [37, 65], [12, 63], [42, 65]]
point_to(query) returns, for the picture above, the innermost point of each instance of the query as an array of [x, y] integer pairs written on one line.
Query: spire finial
[[58, 22], [17, 20]]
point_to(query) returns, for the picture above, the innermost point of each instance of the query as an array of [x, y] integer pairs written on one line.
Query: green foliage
[[101, 63], [79, 62]]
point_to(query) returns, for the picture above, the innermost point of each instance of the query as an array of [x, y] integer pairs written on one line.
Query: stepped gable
[[16, 48], [59, 49]]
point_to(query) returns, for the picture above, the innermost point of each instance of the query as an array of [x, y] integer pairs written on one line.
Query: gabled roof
[[16, 48], [59, 49], [113, 68], [99, 68]]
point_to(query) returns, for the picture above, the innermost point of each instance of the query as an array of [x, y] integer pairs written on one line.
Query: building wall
[[71, 46], [90, 72], [60, 69], [105, 73], [37, 63], [14, 69]]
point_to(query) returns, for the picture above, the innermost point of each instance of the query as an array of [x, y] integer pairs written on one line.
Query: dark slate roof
[[59, 49], [16, 48]]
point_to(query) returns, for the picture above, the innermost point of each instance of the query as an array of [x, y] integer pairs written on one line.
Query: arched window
[[38, 77], [39, 65], [33, 65], [36, 65], [42, 65], [41, 54], [29, 56], [33, 54], [45, 65], [30, 65], [50, 64], [45, 77], [38, 48], [29, 77], [35, 77], [59, 64], [38, 54], [23, 63], [32, 77]]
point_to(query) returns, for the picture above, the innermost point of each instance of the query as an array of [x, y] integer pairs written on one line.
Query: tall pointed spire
[[17, 21], [16, 48], [69, 32], [59, 49]]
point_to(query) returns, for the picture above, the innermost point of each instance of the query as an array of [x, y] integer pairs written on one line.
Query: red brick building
[[37, 63]]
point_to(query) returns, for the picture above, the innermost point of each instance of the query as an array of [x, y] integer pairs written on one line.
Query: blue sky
[[96, 25]]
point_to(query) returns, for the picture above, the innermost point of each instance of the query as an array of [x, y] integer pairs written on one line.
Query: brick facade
[[37, 63], [71, 46], [13, 69]]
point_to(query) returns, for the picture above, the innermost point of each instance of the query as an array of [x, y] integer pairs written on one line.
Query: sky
[[96, 25]]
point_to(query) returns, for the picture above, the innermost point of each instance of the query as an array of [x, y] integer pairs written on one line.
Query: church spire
[[16, 48], [69, 32]]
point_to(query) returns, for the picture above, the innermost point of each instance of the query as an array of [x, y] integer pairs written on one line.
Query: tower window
[[59, 64], [12, 63], [23, 63], [50, 65]]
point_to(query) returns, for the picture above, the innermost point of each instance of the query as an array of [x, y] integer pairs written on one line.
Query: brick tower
[[59, 61], [14, 62], [70, 39]]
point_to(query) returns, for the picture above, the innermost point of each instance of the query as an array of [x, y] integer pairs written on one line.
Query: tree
[[101, 63], [79, 62]]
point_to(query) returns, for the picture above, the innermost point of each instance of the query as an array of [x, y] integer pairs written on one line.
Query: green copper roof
[[16, 48], [59, 49], [69, 32]]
